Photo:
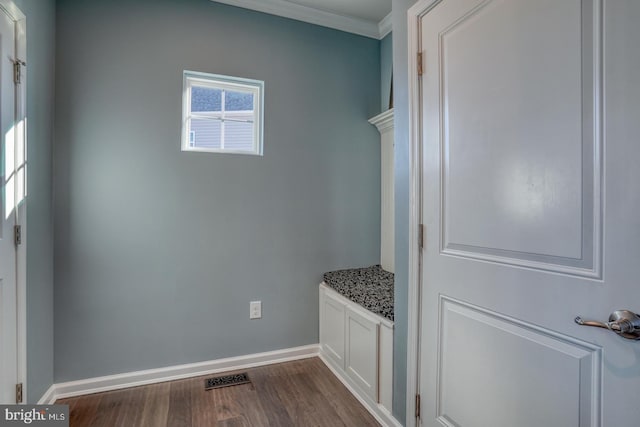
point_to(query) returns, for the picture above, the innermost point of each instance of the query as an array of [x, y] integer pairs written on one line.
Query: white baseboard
[[380, 413], [171, 373], [49, 396]]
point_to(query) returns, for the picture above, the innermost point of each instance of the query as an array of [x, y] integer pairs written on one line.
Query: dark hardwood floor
[[301, 393]]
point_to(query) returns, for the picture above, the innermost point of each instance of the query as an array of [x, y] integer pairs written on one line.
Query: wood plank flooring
[[302, 393]]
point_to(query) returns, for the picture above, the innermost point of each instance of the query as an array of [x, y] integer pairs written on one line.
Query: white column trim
[[384, 123]]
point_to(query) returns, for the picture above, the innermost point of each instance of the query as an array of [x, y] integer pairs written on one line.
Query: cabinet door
[[385, 384], [332, 328], [362, 351]]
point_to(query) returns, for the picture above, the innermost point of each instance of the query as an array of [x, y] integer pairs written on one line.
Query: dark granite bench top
[[371, 287]]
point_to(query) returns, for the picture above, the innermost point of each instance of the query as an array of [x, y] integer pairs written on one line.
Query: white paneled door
[[530, 182], [11, 186]]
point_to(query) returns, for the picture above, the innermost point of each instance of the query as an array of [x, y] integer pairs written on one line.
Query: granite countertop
[[371, 287]]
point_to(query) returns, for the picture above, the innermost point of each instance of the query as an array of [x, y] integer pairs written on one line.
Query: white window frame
[[234, 84]]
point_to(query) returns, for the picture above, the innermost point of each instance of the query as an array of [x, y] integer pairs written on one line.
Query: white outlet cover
[[255, 310]]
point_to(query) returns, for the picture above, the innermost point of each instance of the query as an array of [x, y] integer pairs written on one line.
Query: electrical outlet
[[255, 309]]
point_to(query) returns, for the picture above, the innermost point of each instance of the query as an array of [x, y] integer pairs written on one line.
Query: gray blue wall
[[401, 168], [158, 252], [386, 67], [40, 90]]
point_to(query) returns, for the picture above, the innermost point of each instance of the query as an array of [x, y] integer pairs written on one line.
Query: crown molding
[[385, 26], [298, 12], [12, 9]]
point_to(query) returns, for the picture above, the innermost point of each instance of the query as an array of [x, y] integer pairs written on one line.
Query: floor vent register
[[226, 381]]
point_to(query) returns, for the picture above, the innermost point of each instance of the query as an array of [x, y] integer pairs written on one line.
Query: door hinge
[[17, 235], [421, 236], [17, 70], [19, 393], [417, 406], [420, 69]]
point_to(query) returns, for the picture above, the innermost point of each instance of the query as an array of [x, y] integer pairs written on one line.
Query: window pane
[[238, 116], [222, 113], [238, 136], [238, 101], [206, 133], [205, 99]]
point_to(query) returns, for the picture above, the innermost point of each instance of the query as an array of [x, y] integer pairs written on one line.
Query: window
[[221, 114]]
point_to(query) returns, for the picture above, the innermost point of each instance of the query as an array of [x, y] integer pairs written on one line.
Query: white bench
[[357, 345]]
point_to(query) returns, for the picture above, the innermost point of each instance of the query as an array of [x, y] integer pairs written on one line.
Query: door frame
[[20, 20], [414, 15]]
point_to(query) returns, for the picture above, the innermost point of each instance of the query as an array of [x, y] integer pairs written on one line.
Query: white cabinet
[[385, 361], [357, 345], [332, 337], [362, 350]]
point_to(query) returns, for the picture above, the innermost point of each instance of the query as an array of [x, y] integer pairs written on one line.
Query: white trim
[[310, 15], [20, 19], [385, 26], [415, 198], [10, 7], [224, 83], [178, 372], [383, 121], [381, 414], [21, 94], [49, 396]]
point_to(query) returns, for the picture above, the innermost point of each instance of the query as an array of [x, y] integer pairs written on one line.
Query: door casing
[[415, 202], [9, 7]]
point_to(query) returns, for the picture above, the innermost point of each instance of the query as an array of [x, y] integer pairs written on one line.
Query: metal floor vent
[[226, 381]]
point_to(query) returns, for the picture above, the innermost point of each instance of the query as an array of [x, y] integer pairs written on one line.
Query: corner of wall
[[40, 81]]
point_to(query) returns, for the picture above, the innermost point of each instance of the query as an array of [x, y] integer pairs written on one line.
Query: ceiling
[[370, 18]]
